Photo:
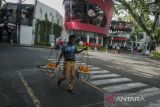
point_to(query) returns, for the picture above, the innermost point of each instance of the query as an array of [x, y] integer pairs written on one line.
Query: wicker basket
[[84, 68], [52, 65]]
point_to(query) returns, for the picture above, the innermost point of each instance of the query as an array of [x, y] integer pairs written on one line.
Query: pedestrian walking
[[118, 49], [5, 37], [106, 48], [69, 68]]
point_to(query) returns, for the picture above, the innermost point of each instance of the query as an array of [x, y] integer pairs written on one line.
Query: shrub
[[155, 53], [43, 44], [102, 49], [81, 47]]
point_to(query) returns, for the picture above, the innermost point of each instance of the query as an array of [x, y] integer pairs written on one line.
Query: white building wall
[[52, 14], [26, 37], [27, 33], [42, 9]]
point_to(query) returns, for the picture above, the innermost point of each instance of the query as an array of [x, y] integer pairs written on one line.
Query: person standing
[[106, 48], [115, 48], [5, 37], [118, 49], [69, 68]]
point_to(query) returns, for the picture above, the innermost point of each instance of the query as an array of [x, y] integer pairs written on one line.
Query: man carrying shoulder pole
[[69, 68]]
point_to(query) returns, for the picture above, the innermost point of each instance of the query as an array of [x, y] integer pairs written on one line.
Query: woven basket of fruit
[[84, 69], [52, 65]]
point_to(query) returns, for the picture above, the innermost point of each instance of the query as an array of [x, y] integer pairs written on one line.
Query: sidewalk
[[131, 62], [96, 53]]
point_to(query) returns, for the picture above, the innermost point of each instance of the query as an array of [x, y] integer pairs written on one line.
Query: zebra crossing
[[110, 82], [113, 83], [103, 77]]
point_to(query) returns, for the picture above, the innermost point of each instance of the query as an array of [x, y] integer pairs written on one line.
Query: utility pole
[[0, 3], [34, 23], [18, 19]]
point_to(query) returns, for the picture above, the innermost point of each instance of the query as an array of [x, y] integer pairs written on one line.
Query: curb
[[36, 46], [47, 47]]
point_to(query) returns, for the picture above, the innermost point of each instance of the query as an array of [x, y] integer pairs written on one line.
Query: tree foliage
[[139, 10], [57, 30], [43, 28]]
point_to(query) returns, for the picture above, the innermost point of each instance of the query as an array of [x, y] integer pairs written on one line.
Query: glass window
[[85, 12]]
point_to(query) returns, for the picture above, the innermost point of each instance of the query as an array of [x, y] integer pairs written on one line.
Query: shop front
[[88, 20], [120, 40]]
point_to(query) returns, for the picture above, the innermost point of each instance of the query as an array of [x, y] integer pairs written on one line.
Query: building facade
[[88, 19], [39, 23], [119, 33], [9, 20], [47, 24]]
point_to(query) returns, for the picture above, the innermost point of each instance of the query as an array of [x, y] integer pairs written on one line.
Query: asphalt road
[[23, 85], [44, 89]]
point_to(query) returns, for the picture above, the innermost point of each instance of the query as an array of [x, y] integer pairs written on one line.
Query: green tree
[[42, 30], [45, 27], [139, 10], [57, 29], [137, 30]]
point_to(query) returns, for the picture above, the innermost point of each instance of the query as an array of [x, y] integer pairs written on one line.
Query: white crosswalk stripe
[[104, 76], [108, 81], [79, 63], [100, 72], [60, 61], [95, 68], [122, 87], [148, 92]]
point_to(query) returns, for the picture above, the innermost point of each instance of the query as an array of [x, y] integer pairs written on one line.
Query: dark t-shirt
[[68, 51]]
